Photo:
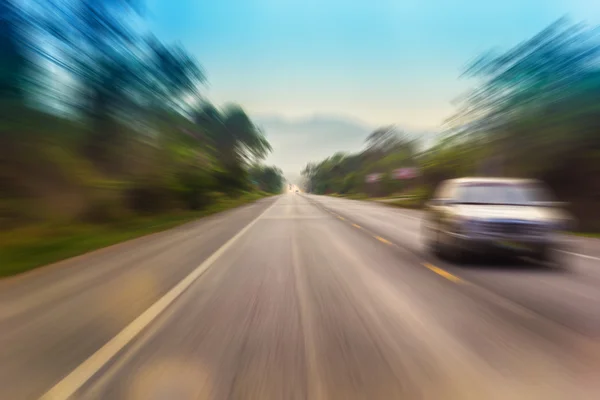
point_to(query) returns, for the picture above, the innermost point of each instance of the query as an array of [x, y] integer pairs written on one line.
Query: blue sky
[[380, 61]]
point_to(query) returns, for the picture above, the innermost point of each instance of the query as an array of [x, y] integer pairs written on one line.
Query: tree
[[382, 140], [268, 179], [107, 115], [118, 72], [536, 112], [538, 101], [237, 141], [13, 68]]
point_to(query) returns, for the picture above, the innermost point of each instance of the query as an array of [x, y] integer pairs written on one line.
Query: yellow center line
[[342, 218], [382, 240], [356, 226], [443, 273]]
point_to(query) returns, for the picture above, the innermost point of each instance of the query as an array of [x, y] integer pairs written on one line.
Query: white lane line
[[80, 375], [581, 255]]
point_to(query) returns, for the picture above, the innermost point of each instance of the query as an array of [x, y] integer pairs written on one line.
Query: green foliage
[[345, 173], [236, 140], [101, 122], [268, 179], [196, 187]]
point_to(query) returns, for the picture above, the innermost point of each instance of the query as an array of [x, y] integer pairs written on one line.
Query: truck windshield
[[501, 194]]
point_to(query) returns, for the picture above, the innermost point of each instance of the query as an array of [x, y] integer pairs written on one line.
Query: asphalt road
[[299, 297]]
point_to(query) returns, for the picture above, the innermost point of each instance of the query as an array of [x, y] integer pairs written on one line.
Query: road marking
[[443, 273], [342, 218], [581, 255], [383, 240], [356, 226], [81, 374]]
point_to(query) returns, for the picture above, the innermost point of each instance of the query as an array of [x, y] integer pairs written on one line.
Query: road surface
[[299, 297]]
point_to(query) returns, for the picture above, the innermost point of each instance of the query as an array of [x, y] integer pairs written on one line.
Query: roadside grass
[[29, 247], [408, 201], [412, 203], [352, 196], [593, 235]]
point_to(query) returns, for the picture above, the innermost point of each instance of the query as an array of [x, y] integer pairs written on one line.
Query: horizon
[[297, 60]]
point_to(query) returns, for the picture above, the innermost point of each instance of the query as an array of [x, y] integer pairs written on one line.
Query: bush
[[195, 189], [233, 182], [105, 205], [148, 197]]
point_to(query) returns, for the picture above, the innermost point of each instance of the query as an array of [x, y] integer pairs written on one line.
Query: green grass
[[353, 196], [595, 235], [412, 203], [399, 197], [30, 247]]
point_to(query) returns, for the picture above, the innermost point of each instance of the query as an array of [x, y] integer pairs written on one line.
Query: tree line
[[100, 119], [534, 111]]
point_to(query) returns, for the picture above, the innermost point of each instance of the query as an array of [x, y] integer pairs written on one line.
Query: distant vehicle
[[487, 215], [297, 191]]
